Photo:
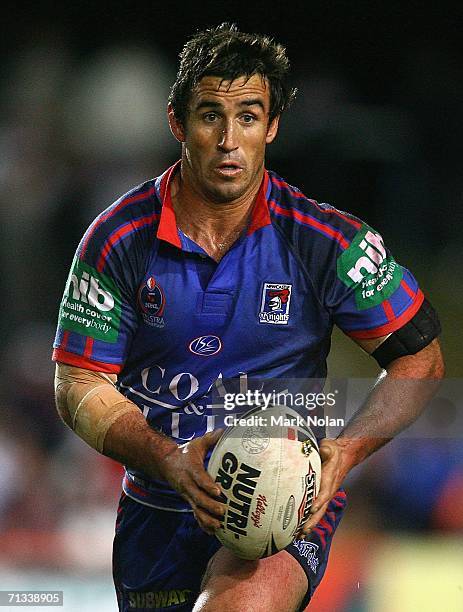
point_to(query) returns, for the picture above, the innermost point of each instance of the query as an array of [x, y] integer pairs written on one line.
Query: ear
[[175, 126], [272, 130]]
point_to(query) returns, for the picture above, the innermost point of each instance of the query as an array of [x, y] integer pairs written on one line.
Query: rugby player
[[220, 270]]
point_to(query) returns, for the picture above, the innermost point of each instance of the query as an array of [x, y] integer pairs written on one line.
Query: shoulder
[[133, 216], [306, 221]]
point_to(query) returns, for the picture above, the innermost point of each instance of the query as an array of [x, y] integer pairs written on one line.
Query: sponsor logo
[[91, 304], [259, 511], [274, 307], [289, 511], [205, 345], [309, 551], [307, 500], [255, 440], [369, 269], [239, 480], [152, 301], [156, 600]]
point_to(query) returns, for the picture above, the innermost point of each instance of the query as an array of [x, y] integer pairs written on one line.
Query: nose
[[227, 140]]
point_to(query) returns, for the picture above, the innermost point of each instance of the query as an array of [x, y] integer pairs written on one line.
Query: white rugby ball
[[268, 467]]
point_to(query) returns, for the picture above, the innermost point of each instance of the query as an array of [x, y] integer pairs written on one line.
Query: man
[[219, 270]]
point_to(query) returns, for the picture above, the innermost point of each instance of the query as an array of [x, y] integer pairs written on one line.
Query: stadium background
[[376, 130]]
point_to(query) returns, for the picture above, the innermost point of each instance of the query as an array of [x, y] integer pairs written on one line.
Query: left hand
[[334, 471]]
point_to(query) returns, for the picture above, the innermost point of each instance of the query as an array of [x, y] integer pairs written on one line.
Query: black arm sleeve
[[411, 338]]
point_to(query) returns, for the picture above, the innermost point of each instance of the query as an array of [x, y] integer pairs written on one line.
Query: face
[[224, 137]]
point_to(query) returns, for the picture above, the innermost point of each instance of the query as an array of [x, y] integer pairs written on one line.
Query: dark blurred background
[[376, 129]]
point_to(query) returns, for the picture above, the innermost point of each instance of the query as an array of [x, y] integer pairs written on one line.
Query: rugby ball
[[268, 467]]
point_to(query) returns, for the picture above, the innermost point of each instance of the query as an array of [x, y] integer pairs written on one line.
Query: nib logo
[[368, 269], [91, 304], [88, 291], [371, 261]]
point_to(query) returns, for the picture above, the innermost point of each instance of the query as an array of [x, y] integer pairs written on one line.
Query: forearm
[[396, 401], [132, 442], [89, 403]]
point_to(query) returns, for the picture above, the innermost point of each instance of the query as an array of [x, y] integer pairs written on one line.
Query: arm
[[89, 403], [396, 401]]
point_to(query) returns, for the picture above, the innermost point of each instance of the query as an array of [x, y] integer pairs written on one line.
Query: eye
[[209, 117], [248, 118]]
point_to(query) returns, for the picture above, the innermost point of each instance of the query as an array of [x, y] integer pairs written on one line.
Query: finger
[[196, 485], [319, 505], [201, 499], [313, 521], [325, 493], [205, 481], [328, 484], [206, 522], [321, 500]]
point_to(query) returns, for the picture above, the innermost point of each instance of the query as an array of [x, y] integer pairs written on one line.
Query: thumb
[[326, 450], [212, 437]]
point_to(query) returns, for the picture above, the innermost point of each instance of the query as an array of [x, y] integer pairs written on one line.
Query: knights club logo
[[274, 307], [152, 301]]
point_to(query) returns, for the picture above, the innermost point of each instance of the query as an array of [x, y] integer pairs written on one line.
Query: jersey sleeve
[[358, 284], [371, 295], [98, 315]]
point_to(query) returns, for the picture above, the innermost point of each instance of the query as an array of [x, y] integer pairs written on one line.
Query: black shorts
[[160, 556]]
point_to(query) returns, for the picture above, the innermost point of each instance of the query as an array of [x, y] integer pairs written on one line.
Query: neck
[[215, 227]]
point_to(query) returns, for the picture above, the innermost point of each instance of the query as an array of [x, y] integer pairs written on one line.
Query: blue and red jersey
[[147, 303]]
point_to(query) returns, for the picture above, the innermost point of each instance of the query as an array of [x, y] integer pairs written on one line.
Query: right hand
[[183, 468]]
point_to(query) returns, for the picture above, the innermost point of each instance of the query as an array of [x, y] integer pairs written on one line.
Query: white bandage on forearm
[[89, 402]]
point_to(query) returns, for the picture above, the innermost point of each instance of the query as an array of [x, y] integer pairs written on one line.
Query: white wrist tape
[[89, 402]]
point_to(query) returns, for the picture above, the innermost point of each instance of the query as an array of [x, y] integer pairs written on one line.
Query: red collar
[[167, 229]]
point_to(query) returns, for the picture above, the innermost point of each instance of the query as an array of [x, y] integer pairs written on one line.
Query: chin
[[226, 193]]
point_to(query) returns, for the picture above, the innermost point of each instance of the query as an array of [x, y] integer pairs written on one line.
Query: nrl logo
[[152, 301]]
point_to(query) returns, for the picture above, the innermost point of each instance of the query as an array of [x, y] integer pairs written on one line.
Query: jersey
[[145, 302]]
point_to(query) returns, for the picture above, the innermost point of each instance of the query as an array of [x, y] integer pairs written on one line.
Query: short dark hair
[[226, 52]]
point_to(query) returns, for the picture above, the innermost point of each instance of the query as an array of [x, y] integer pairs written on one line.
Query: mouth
[[229, 168]]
